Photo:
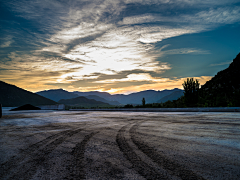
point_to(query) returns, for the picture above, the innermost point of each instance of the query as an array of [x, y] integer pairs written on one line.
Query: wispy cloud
[[204, 19], [205, 3], [74, 41], [6, 42], [221, 15], [116, 50], [220, 64], [186, 51]]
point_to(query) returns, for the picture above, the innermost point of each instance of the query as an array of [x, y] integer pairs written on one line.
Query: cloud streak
[[220, 64]]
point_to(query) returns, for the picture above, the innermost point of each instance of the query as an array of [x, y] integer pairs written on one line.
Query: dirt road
[[109, 145]]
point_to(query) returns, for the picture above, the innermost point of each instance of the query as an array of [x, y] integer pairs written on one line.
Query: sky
[[115, 46]]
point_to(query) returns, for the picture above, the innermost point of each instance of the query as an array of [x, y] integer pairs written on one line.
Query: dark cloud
[[78, 41], [58, 56], [91, 83]]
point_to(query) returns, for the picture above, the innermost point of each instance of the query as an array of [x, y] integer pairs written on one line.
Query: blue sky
[[117, 46]]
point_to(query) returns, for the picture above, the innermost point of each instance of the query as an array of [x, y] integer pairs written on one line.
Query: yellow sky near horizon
[[35, 85]]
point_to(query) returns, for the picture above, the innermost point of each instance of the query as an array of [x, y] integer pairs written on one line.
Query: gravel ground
[[119, 145]]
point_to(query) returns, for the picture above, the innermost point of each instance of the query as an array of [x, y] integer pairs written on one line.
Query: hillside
[[173, 96], [11, 96], [224, 88], [104, 95], [97, 98], [57, 94], [83, 101]]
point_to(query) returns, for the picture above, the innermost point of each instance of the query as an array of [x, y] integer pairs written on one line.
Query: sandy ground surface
[[119, 145]]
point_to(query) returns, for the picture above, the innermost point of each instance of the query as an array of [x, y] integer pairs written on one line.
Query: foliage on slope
[[224, 88]]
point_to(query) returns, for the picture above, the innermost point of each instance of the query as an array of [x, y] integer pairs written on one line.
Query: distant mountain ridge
[[11, 96], [173, 96], [84, 102], [57, 94], [97, 98]]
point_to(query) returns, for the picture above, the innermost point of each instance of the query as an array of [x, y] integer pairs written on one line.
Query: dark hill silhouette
[[104, 95], [224, 88], [57, 94], [12, 96], [26, 107], [173, 96], [83, 101]]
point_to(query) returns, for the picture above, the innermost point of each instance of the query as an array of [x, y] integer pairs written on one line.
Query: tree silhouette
[[143, 101], [191, 88]]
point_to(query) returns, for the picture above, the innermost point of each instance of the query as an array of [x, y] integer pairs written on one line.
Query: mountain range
[[151, 96], [12, 96]]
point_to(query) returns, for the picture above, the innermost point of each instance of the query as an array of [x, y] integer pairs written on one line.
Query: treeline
[[223, 90]]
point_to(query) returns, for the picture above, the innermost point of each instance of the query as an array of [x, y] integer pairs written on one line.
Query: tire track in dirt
[[140, 166], [43, 142], [76, 169], [14, 161], [172, 167], [34, 156]]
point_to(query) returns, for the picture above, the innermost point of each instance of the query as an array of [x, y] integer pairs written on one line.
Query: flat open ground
[[119, 145]]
